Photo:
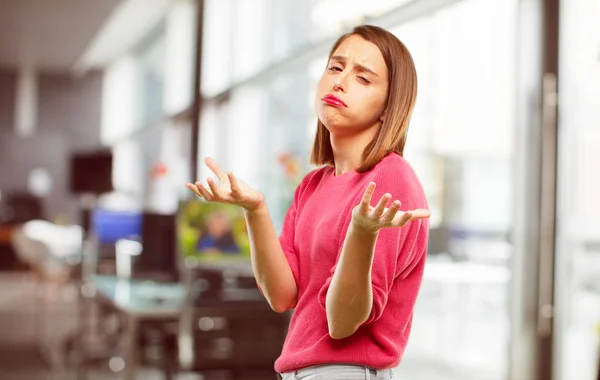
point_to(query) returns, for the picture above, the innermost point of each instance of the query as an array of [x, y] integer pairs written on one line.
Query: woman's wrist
[[259, 208], [360, 229]]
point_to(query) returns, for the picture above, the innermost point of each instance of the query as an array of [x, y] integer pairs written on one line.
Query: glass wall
[[144, 92], [461, 144], [260, 66], [577, 285]]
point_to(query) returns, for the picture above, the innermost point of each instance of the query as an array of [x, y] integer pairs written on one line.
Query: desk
[[139, 300]]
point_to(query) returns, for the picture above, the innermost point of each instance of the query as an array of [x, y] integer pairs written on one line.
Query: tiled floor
[[20, 360]]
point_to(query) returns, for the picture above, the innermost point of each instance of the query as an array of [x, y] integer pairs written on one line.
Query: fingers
[[212, 165], [421, 214], [390, 214], [365, 203], [204, 193], [200, 190], [215, 189], [380, 208], [407, 216], [235, 186], [193, 187]]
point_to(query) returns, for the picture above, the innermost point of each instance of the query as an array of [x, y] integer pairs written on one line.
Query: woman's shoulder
[[312, 179], [315, 175], [395, 175], [394, 167]]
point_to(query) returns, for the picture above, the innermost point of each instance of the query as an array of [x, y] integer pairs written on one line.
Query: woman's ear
[[383, 115]]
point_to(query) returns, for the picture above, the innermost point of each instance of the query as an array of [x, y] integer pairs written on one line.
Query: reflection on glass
[[151, 66], [577, 285], [331, 17], [460, 144]]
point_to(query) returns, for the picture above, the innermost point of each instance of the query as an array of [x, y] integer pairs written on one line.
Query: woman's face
[[352, 91]]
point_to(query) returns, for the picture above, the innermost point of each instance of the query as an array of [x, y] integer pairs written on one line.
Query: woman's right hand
[[229, 190]]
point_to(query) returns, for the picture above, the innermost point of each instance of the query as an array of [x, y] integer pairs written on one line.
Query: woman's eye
[[364, 80], [335, 68]]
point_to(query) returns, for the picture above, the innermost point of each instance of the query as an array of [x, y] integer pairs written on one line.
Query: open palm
[[372, 219], [229, 189]]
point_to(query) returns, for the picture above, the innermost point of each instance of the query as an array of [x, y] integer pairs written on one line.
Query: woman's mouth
[[333, 100]]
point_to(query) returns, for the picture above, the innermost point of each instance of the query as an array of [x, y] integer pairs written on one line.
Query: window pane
[[330, 17], [460, 144], [577, 285], [217, 49]]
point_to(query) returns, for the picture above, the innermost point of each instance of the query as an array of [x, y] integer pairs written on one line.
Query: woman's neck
[[348, 151]]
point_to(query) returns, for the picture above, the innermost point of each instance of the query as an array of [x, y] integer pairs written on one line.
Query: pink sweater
[[312, 237]]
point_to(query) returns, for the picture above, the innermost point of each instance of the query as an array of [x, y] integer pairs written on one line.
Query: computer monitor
[[212, 232], [91, 172], [111, 225], [159, 256]]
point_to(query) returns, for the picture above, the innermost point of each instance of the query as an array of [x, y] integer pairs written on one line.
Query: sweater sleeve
[[288, 232], [287, 236], [398, 250], [286, 239]]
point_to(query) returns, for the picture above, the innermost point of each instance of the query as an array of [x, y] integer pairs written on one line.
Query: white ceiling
[[49, 34]]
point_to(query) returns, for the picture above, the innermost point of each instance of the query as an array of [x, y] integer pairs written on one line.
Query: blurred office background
[[108, 107]]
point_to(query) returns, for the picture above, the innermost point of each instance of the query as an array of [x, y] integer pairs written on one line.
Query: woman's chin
[[333, 122]]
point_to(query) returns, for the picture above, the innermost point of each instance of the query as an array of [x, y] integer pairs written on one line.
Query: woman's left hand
[[372, 219]]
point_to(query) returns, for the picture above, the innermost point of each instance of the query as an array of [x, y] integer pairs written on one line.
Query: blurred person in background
[[217, 235], [349, 262]]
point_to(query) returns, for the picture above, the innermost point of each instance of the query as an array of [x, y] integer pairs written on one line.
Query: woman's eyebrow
[[343, 59]]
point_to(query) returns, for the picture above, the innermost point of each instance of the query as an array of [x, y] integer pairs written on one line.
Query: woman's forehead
[[356, 48]]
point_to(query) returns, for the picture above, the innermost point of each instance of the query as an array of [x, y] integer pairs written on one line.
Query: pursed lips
[[333, 100]]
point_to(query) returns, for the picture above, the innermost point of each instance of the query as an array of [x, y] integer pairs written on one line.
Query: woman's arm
[[350, 296], [349, 299], [271, 268]]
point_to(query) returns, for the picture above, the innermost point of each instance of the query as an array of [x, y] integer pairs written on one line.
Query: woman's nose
[[339, 82]]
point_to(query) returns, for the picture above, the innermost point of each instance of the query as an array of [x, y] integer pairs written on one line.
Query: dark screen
[[159, 253], [91, 173]]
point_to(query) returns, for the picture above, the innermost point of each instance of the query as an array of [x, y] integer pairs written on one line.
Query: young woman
[[348, 261]]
